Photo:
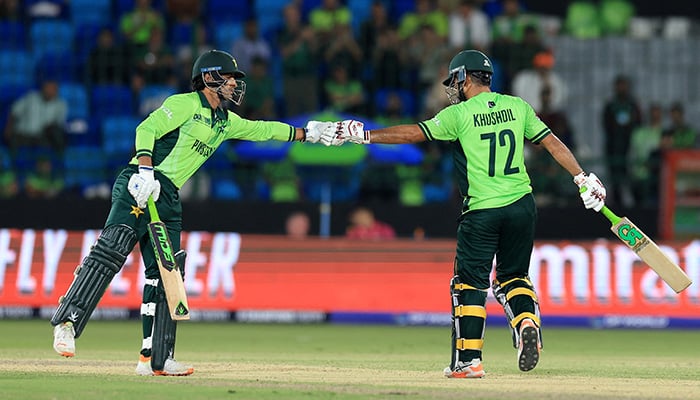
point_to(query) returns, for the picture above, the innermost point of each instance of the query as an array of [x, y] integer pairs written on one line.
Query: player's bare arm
[[397, 134], [562, 154]]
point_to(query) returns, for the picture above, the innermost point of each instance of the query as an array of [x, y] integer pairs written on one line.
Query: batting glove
[[591, 190], [143, 185], [346, 131], [314, 130]]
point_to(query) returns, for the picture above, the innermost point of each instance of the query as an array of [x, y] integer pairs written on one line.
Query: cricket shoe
[[174, 368], [472, 369], [64, 339], [529, 346], [143, 368]]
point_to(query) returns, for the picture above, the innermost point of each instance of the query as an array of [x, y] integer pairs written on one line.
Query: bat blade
[[649, 252], [174, 287]]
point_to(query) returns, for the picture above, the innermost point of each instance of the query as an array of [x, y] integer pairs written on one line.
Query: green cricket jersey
[[184, 132], [488, 131]]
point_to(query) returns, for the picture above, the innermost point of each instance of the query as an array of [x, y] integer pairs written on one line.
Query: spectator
[[679, 135], [549, 182], [615, 16], [251, 45], [155, 62], [138, 24], [364, 226], [10, 10], [469, 27], [508, 28], [435, 99], [372, 28], [388, 57], [38, 119], [43, 182], [282, 180], [428, 53], [298, 49], [529, 83], [325, 18], [425, 14], [621, 115], [108, 62], [393, 112], [523, 53], [345, 50], [260, 92], [297, 225], [643, 157], [582, 20], [345, 95], [8, 184]]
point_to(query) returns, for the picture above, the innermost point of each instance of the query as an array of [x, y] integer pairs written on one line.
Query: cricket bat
[[648, 251], [175, 294]]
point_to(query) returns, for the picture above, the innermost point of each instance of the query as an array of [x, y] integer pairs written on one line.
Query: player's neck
[[212, 98]]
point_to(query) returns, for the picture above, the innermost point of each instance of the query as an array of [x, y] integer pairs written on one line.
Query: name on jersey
[[494, 117], [202, 148]]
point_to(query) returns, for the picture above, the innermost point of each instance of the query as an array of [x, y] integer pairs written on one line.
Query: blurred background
[[616, 80]]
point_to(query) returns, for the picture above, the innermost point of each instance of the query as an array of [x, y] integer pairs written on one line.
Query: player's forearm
[[562, 154], [397, 134]]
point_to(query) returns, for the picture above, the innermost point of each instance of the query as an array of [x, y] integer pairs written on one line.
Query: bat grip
[[152, 210], [610, 215]]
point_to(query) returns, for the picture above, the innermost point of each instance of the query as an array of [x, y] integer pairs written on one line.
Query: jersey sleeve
[[258, 131], [443, 126], [172, 114], [535, 129]]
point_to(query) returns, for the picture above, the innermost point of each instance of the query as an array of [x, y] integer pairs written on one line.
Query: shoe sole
[[66, 354], [464, 375], [530, 353], [163, 373]]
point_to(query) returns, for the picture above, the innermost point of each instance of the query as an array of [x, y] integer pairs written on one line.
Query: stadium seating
[[226, 33], [51, 36], [76, 96], [152, 96], [84, 166], [90, 11], [118, 136], [109, 100], [407, 100], [16, 68], [59, 66], [13, 34], [225, 10]]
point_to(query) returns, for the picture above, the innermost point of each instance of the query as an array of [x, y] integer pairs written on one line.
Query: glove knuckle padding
[[94, 274]]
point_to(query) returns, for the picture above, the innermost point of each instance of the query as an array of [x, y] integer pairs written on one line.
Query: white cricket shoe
[[143, 368], [174, 368], [529, 346], [64, 339], [472, 369]]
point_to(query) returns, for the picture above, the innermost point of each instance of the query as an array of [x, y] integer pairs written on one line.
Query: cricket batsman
[[171, 144], [488, 131]]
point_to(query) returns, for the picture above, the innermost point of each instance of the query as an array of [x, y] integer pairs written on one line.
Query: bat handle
[[152, 209], [614, 219]]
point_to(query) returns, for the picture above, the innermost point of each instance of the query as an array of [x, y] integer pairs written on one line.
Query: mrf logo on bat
[[631, 235], [163, 246]]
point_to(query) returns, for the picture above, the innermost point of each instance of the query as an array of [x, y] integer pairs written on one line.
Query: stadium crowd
[[77, 76]]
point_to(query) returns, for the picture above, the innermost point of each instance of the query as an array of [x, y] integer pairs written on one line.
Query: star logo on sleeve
[[136, 211]]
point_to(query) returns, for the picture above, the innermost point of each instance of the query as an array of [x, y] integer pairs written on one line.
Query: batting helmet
[[467, 61], [219, 61]]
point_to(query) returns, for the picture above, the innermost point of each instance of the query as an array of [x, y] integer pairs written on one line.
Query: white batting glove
[[592, 190], [348, 131], [143, 185], [314, 129]]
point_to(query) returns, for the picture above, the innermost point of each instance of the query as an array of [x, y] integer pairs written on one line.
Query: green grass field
[[247, 361]]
